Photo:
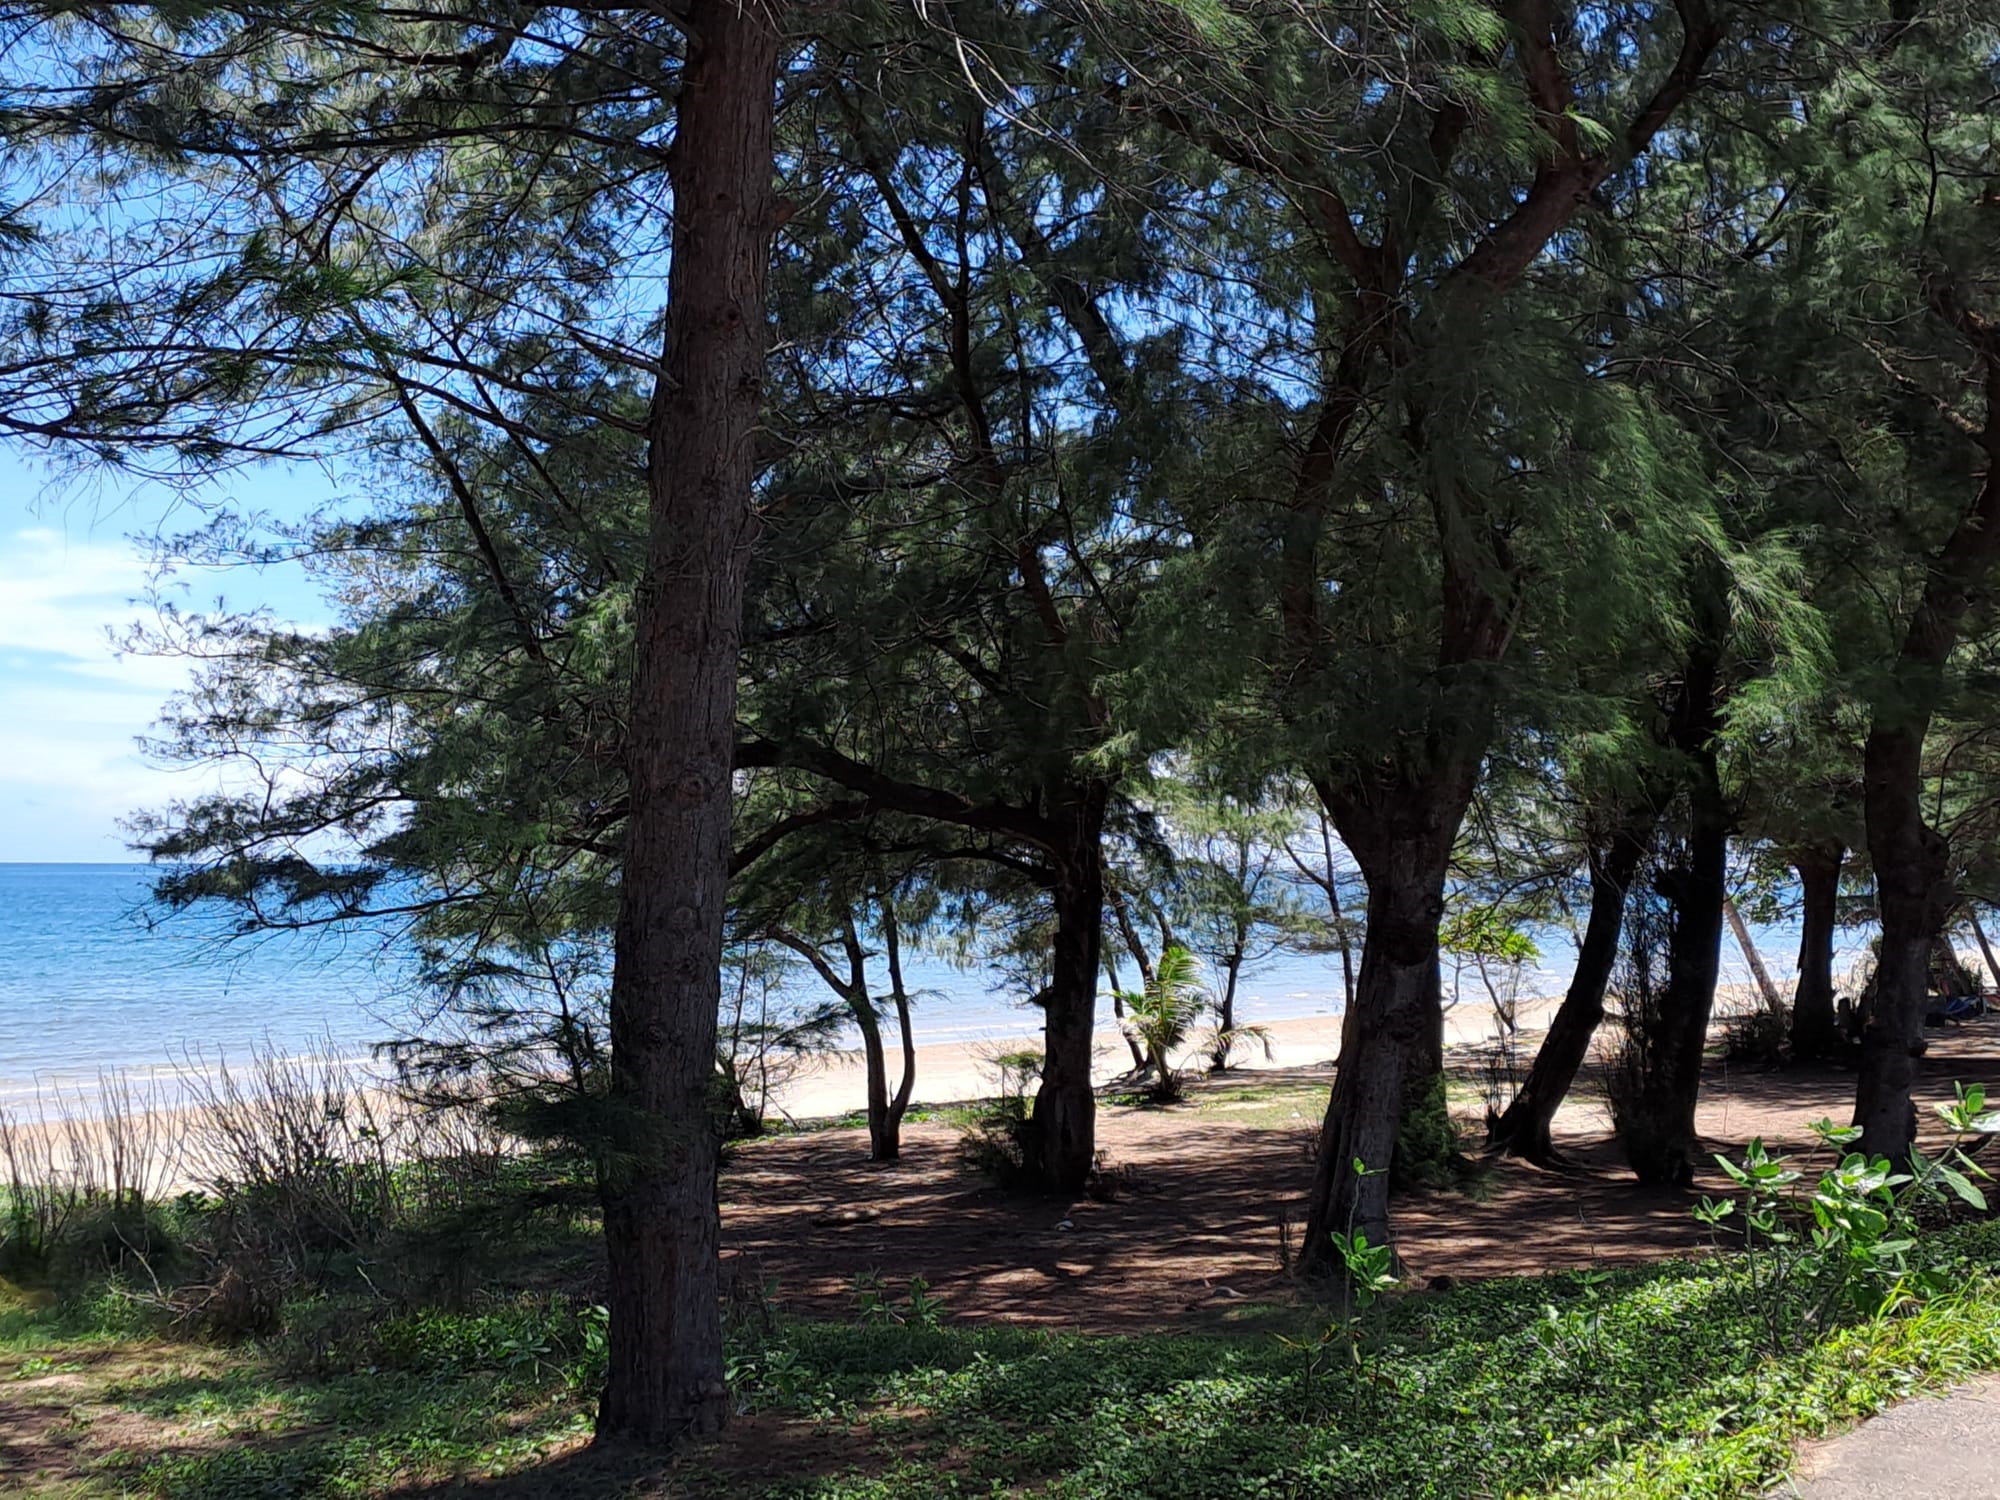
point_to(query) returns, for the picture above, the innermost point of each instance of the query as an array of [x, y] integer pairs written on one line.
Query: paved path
[[1933, 1448]]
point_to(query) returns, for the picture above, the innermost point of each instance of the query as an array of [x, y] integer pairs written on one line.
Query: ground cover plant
[[1649, 1381]]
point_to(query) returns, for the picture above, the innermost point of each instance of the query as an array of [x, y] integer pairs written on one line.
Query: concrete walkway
[[1932, 1448]]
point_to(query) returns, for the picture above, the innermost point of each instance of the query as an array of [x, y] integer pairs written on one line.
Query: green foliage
[[58, 1236], [1426, 1152], [1758, 1038], [1647, 1382], [1482, 932], [1366, 1277], [1847, 1245], [917, 1309], [1164, 1013], [994, 1139]]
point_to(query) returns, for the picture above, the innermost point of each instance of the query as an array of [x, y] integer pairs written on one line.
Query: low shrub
[[1426, 1153], [996, 1139], [1844, 1244], [1757, 1039]]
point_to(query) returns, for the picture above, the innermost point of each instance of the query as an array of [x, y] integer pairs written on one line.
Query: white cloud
[[71, 708]]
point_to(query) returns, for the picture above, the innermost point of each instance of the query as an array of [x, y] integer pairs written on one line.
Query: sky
[[73, 574]]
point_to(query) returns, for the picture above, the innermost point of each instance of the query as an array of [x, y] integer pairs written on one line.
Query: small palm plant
[[1164, 1014]]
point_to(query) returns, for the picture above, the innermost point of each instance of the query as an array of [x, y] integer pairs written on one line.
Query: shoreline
[[127, 1123], [835, 1085]]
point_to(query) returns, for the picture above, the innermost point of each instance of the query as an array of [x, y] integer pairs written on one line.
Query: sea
[[94, 979]]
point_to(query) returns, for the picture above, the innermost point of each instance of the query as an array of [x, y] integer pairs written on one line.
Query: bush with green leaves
[[1759, 1038], [1841, 1246], [874, 1304]]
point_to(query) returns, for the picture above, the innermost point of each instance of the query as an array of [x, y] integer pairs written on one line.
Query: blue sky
[[71, 575]]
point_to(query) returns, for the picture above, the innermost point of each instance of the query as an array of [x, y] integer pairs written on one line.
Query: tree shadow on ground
[[1207, 1206]]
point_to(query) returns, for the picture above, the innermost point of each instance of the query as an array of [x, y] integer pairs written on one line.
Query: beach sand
[[951, 1072]]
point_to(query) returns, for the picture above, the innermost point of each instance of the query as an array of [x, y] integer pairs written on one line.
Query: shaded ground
[[1213, 1192]]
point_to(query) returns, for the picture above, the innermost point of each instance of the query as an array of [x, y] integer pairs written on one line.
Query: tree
[[1884, 258], [1420, 256], [1164, 1013], [831, 906], [969, 609], [330, 187], [664, 1378], [1213, 880], [1615, 849]]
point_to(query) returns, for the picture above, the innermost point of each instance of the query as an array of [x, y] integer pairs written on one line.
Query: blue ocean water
[[87, 984]]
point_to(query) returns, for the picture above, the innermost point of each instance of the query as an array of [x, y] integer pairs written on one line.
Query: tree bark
[[1913, 894], [1524, 1128], [1382, 1045], [1232, 967], [892, 942], [1657, 1130], [1062, 1130], [1815, 1028], [883, 1140], [664, 1376]]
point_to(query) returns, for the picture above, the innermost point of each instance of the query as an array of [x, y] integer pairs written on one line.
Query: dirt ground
[[1214, 1191]]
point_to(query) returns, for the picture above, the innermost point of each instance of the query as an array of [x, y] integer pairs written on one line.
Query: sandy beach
[[948, 1072]]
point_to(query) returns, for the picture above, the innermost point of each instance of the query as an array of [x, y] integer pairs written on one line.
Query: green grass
[[955, 1113], [1265, 1106], [1644, 1383], [1474, 1392]]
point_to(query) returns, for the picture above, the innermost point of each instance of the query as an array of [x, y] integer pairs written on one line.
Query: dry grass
[[291, 1158]]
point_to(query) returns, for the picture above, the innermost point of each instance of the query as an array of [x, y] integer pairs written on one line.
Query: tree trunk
[[1696, 889], [657, 1176], [892, 941], [1656, 1118], [1524, 1128], [1232, 967], [1815, 1028], [1766, 990], [884, 1143], [1391, 1041], [1913, 894], [1062, 1135]]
